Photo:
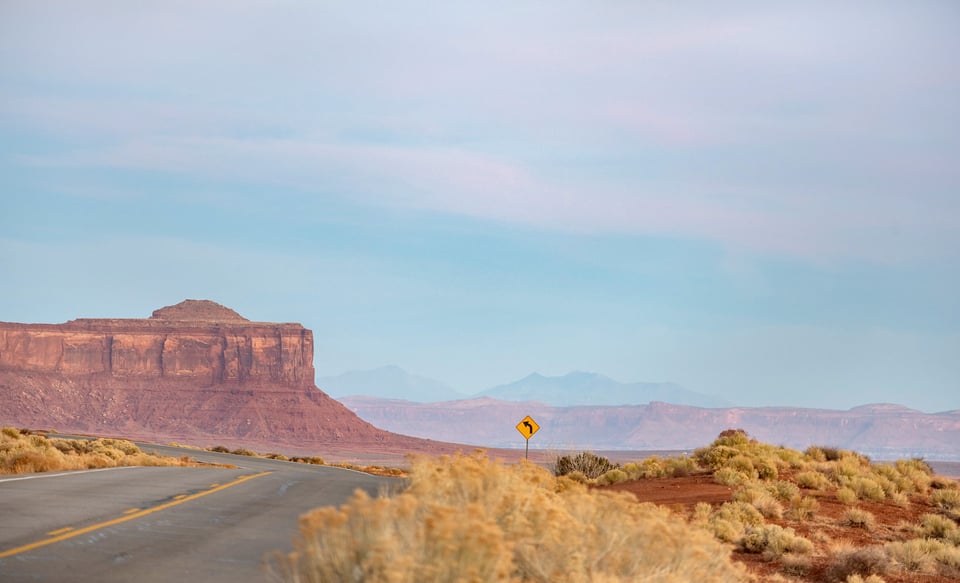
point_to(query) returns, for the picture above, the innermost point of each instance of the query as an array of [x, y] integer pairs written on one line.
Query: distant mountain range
[[883, 431], [587, 388], [573, 389]]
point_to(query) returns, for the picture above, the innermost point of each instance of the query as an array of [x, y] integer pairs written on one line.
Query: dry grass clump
[[467, 518], [590, 465], [23, 452], [774, 541], [862, 561], [657, 467], [859, 518]]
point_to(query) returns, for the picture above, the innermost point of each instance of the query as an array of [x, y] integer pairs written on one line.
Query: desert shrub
[[847, 496], [761, 499], [314, 460], [277, 456], [867, 488], [784, 490], [774, 541], [857, 578], [812, 480], [701, 513], [681, 466], [29, 462], [946, 500], [796, 565], [791, 457], [467, 518], [863, 561], [592, 465], [651, 467], [913, 555], [766, 470], [715, 457], [936, 526], [730, 477], [900, 499], [823, 453], [244, 451], [614, 476], [731, 519], [942, 483], [11, 432], [915, 475], [858, 518], [803, 507], [741, 463], [732, 438], [219, 449], [23, 452]]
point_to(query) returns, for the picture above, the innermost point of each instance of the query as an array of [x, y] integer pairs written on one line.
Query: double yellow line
[[68, 532]]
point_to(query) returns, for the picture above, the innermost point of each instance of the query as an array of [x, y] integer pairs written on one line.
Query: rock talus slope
[[196, 370]]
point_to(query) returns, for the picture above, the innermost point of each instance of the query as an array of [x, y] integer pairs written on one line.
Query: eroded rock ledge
[[197, 341]]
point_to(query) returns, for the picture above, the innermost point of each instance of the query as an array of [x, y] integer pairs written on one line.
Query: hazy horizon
[[755, 201]]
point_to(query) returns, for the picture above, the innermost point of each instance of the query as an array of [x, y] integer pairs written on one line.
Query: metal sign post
[[527, 427]]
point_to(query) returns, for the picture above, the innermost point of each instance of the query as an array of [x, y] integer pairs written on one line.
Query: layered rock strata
[[196, 370]]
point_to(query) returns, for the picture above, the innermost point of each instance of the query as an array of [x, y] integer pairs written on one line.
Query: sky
[[759, 201]]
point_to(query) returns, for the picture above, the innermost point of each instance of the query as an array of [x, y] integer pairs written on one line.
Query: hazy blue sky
[[756, 200]]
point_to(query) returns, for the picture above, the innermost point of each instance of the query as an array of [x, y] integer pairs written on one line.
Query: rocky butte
[[194, 371]]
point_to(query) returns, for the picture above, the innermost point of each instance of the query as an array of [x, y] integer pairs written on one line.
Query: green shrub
[[592, 466]]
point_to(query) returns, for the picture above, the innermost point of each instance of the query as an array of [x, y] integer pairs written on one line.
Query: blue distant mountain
[[587, 388], [387, 382]]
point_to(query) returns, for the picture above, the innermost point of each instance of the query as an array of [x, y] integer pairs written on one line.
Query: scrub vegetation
[[22, 451], [768, 513], [471, 519], [313, 460]]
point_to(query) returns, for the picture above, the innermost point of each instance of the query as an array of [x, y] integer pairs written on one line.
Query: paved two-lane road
[[163, 524]]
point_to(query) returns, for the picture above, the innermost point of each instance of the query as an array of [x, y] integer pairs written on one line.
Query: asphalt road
[[163, 524]]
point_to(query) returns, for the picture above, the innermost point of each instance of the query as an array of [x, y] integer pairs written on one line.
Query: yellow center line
[[131, 510], [72, 533], [179, 496], [60, 531]]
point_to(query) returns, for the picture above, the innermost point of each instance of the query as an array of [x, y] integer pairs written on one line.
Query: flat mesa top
[[198, 310]]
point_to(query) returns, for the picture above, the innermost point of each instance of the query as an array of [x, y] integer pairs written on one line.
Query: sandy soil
[[823, 529]]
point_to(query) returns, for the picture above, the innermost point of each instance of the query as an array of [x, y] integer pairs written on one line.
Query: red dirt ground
[[823, 529]]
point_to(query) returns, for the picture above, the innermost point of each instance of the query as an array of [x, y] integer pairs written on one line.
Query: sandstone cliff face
[[194, 371], [205, 353]]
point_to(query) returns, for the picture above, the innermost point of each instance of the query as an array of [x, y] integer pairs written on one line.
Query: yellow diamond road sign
[[528, 427]]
